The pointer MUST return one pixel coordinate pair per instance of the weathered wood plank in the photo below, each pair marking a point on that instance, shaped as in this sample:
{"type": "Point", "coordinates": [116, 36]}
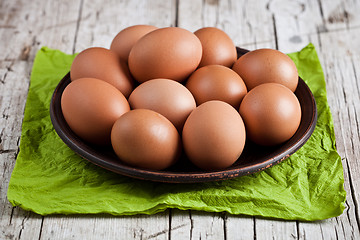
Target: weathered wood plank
{"type": "Point", "coordinates": [14, 222]}
{"type": "Point", "coordinates": [275, 229]}
{"type": "Point", "coordinates": [197, 225]}
{"type": "Point", "coordinates": [240, 227]}
{"type": "Point", "coordinates": [180, 224]}
{"type": "Point", "coordinates": [340, 14]}
{"type": "Point", "coordinates": [106, 227]}
{"type": "Point", "coordinates": [28, 25]}
{"type": "Point", "coordinates": [100, 21]}
{"type": "Point", "coordinates": [249, 24]}
{"type": "Point", "coordinates": [13, 91]}
{"type": "Point", "coordinates": [246, 22]}
{"type": "Point", "coordinates": [294, 22]}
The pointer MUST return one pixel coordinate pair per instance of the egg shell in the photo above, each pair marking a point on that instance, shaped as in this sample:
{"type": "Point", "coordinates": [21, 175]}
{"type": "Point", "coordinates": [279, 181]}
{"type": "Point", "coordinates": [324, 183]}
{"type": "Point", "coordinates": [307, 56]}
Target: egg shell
{"type": "Point", "coordinates": [103, 64]}
{"type": "Point", "coordinates": [214, 135]}
{"type": "Point", "coordinates": [267, 66]}
{"type": "Point", "coordinates": [271, 113]}
{"type": "Point", "coordinates": [167, 97]}
{"type": "Point", "coordinates": [172, 53]}
{"type": "Point", "coordinates": [217, 82]}
{"type": "Point", "coordinates": [218, 48]}
{"type": "Point", "coordinates": [90, 108]}
{"type": "Point", "coordinates": [146, 139]}
{"type": "Point", "coordinates": [126, 39]}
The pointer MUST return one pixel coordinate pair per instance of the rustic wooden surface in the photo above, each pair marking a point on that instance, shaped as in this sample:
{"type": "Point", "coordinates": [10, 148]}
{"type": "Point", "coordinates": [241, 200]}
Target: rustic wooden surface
{"type": "Point", "coordinates": [73, 25]}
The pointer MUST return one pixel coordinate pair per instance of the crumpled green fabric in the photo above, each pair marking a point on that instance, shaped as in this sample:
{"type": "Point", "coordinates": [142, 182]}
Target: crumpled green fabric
{"type": "Point", "coordinates": [49, 178]}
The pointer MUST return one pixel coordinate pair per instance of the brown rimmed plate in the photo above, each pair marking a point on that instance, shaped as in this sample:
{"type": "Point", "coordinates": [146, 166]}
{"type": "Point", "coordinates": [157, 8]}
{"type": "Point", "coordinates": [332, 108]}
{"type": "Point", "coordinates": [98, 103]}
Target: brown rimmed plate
{"type": "Point", "coordinates": [253, 159]}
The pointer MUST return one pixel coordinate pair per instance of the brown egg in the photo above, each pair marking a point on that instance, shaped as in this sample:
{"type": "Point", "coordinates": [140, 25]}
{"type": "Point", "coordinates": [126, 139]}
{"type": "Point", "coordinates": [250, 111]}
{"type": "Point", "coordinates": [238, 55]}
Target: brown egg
{"type": "Point", "coordinates": [267, 66]}
{"type": "Point", "coordinates": [271, 113]}
{"type": "Point", "coordinates": [167, 97]}
{"type": "Point", "coordinates": [214, 135]}
{"type": "Point", "coordinates": [216, 82]}
{"type": "Point", "coordinates": [90, 107]}
{"type": "Point", "coordinates": [102, 64]}
{"type": "Point", "coordinates": [146, 139]}
{"type": "Point", "coordinates": [218, 48]}
{"type": "Point", "coordinates": [126, 38]}
{"type": "Point", "coordinates": [171, 52]}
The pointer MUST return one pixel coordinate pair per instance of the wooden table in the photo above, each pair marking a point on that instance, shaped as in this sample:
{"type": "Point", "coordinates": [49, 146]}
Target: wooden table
{"type": "Point", "coordinates": [73, 25]}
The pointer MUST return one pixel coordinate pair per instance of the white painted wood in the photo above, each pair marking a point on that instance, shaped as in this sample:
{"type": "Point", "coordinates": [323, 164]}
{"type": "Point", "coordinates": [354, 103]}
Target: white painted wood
{"type": "Point", "coordinates": [181, 225]}
{"type": "Point", "coordinates": [207, 225]}
{"type": "Point", "coordinates": [275, 229]}
{"type": "Point", "coordinates": [340, 14]}
{"type": "Point", "coordinates": [13, 91]}
{"type": "Point", "coordinates": [190, 15]}
{"type": "Point", "coordinates": [102, 20]}
{"type": "Point", "coordinates": [26, 26]}
{"type": "Point", "coordinates": [250, 24]}
{"type": "Point", "coordinates": [246, 22]}
{"type": "Point", "coordinates": [240, 227]}
{"type": "Point", "coordinates": [294, 22]}
{"type": "Point", "coordinates": [197, 225]}
{"type": "Point", "coordinates": [15, 223]}
{"type": "Point", "coordinates": [106, 227]}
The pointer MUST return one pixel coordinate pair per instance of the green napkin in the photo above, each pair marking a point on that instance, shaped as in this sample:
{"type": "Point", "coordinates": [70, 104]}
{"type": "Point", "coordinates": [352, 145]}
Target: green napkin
{"type": "Point", "coordinates": [50, 178]}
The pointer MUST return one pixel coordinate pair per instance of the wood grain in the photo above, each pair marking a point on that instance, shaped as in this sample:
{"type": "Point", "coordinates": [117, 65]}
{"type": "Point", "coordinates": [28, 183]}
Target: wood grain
{"type": "Point", "coordinates": [73, 25]}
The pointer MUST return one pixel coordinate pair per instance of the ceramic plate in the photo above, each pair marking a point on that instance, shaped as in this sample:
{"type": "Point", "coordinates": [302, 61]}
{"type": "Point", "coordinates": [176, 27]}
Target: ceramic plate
{"type": "Point", "coordinates": [253, 159]}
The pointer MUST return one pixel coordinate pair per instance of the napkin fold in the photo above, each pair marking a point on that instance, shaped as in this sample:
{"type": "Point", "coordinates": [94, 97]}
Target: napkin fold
{"type": "Point", "coordinates": [49, 178]}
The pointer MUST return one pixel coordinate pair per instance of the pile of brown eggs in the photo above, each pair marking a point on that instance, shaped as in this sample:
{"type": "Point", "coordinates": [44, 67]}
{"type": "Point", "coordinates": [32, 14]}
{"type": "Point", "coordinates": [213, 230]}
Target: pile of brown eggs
{"type": "Point", "coordinates": [160, 91]}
